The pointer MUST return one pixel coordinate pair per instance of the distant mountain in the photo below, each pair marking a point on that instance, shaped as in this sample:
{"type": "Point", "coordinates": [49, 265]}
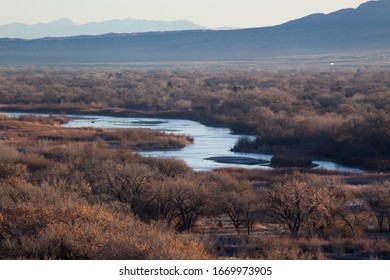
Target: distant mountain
{"type": "Point", "coordinates": [66, 27]}
{"type": "Point", "coordinates": [366, 28]}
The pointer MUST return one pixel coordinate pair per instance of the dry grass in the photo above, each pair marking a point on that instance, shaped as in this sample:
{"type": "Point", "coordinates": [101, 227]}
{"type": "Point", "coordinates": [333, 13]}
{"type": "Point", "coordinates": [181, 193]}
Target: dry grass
{"type": "Point", "coordinates": [29, 130]}
{"type": "Point", "coordinates": [57, 201]}
{"type": "Point", "coordinates": [39, 223]}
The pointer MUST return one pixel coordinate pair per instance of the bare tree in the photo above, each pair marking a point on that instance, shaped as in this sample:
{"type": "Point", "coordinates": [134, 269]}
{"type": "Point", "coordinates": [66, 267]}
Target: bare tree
{"type": "Point", "coordinates": [171, 167]}
{"type": "Point", "coordinates": [188, 202]}
{"type": "Point", "coordinates": [293, 201]}
{"type": "Point", "coordinates": [230, 197]}
{"type": "Point", "coordinates": [233, 206]}
{"type": "Point", "coordinates": [128, 183]}
{"type": "Point", "coordinates": [252, 209]}
{"type": "Point", "coordinates": [377, 198]}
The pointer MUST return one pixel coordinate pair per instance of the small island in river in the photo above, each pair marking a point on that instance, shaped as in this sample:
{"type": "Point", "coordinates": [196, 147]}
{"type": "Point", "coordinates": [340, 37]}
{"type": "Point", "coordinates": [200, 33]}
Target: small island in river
{"type": "Point", "coordinates": [239, 160]}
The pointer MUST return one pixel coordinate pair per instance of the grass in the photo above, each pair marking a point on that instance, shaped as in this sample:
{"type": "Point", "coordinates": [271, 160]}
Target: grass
{"type": "Point", "coordinates": [57, 201]}
{"type": "Point", "coordinates": [28, 130]}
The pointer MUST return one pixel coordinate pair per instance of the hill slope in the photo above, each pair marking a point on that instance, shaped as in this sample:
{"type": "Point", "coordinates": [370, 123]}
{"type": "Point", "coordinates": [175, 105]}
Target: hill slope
{"type": "Point", "coordinates": [66, 27]}
{"type": "Point", "coordinates": [366, 28]}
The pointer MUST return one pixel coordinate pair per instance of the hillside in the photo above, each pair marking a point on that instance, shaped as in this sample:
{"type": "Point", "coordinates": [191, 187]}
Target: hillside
{"type": "Point", "coordinates": [66, 27]}
{"type": "Point", "coordinates": [366, 28]}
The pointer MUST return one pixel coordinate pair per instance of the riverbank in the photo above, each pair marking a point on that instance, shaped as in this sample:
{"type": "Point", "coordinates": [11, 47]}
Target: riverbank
{"type": "Point", "coordinates": [32, 130]}
{"type": "Point", "coordinates": [114, 112]}
{"type": "Point", "coordinates": [331, 115]}
{"type": "Point", "coordinates": [290, 153]}
{"type": "Point", "coordinates": [57, 175]}
{"type": "Point", "coordinates": [243, 144]}
{"type": "Point", "coordinates": [209, 141]}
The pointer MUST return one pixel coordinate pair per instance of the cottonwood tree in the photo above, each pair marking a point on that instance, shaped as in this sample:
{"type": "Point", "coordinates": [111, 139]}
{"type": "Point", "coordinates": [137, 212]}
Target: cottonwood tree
{"type": "Point", "coordinates": [377, 198]}
{"type": "Point", "coordinates": [170, 167]}
{"type": "Point", "coordinates": [242, 208]}
{"type": "Point", "coordinates": [293, 201]}
{"type": "Point", "coordinates": [314, 203]}
{"type": "Point", "coordinates": [233, 207]}
{"type": "Point", "coordinates": [252, 208]}
{"type": "Point", "coordinates": [336, 207]}
{"type": "Point", "coordinates": [127, 183]}
{"type": "Point", "coordinates": [188, 202]}
{"type": "Point", "coordinates": [232, 198]}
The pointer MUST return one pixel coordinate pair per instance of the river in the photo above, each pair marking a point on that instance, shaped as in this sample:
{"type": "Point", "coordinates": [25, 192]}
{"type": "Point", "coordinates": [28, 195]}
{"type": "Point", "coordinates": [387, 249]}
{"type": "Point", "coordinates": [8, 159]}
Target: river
{"type": "Point", "coordinates": [209, 141]}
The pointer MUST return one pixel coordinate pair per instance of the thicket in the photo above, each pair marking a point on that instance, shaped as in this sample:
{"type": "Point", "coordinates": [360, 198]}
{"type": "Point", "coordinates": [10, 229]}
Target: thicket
{"type": "Point", "coordinates": [342, 115]}
{"type": "Point", "coordinates": [80, 194]}
{"type": "Point", "coordinates": [92, 200]}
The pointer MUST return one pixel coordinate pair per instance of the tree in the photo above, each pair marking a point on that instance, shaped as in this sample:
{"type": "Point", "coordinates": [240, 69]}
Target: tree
{"type": "Point", "coordinates": [337, 208]}
{"type": "Point", "coordinates": [233, 198]}
{"type": "Point", "coordinates": [128, 183]}
{"type": "Point", "coordinates": [188, 202]}
{"type": "Point", "coordinates": [171, 167]}
{"type": "Point", "coordinates": [252, 208]}
{"type": "Point", "coordinates": [292, 201]}
{"type": "Point", "coordinates": [377, 198]}
{"type": "Point", "coordinates": [234, 208]}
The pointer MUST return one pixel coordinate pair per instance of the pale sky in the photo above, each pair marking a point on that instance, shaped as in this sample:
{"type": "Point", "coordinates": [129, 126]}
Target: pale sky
{"type": "Point", "coordinates": [208, 13]}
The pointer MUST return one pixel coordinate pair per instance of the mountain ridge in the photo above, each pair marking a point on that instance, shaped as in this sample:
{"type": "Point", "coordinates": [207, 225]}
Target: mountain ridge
{"type": "Point", "coordinates": [65, 28]}
{"type": "Point", "coordinates": [366, 28]}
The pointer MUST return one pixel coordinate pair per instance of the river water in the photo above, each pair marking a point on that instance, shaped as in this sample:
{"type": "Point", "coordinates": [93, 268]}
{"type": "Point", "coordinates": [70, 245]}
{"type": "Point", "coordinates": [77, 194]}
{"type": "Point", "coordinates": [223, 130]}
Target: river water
{"type": "Point", "coordinates": [209, 141]}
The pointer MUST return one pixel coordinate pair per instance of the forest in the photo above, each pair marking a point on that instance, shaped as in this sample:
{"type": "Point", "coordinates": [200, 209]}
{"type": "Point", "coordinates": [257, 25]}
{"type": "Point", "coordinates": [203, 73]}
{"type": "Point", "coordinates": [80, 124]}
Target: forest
{"type": "Point", "coordinates": [82, 193]}
{"type": "Point", "coordinates": [341, 115]}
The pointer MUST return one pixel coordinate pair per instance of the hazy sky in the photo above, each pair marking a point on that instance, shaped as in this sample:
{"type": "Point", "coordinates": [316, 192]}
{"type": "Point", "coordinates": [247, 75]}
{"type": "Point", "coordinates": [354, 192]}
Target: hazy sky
{"type": "Point", "coordinates": [209, 13]}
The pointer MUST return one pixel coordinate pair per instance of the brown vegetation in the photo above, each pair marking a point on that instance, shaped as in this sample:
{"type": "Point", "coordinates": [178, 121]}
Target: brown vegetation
{"type": "Point", "coordinates": [342, 115]}
{"type": "Point", "coordinates": [94, 201]}
{"type": "Point", "coordinates": [87, 201]}
{"type": "Point", "coordinates": [80, 193]}
{"type": "Point", "coordinates": [33, 130]}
